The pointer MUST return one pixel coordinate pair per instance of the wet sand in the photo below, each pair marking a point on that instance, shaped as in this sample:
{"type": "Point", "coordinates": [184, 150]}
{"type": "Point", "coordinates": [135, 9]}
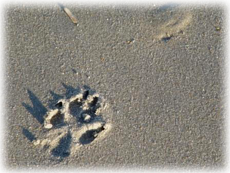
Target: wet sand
{"type": "Point", "coordinates": [160, 68]}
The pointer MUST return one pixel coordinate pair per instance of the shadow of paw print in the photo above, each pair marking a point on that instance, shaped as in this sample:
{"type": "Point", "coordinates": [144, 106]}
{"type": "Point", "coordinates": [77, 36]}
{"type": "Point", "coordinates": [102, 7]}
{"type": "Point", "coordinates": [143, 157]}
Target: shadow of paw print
{"type": "Point", "coordinates": [73, 122]}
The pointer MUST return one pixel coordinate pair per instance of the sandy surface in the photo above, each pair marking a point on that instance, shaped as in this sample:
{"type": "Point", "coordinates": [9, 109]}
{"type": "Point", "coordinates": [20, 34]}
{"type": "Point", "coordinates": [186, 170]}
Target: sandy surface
{"type": "Point", "coordinates": [159, 68]}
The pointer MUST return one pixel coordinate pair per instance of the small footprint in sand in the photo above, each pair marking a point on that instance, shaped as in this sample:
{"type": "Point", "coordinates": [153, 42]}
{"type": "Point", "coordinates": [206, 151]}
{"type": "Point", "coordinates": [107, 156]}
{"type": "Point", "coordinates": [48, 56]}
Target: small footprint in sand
{"type": "Point", "coordinates": [80, 120]}
{"type": "Point", "coordinates": [169, 21]}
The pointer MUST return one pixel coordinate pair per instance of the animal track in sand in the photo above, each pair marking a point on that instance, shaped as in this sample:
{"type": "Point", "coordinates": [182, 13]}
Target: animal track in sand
{"type": "Point", "coordinates": [170, 21]}
{"type": "Point", "coordinates": [80, 120]}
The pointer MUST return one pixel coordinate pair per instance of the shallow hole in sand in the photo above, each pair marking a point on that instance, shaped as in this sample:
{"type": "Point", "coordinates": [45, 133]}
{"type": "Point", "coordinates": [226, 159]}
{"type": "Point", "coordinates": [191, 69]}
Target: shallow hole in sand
{"type": "Point", "coordinates": [90, 135]}
{"type": "Point", "coordinates": [75, 108]}
{"type": "Point", "coordinates": [94, 102]}
{"type": "Point", "coordinates": [85, 94]}
{"type": "Point", "coordinates": [166, 38]}
{"type": "Point", "coordinates": [59, 105]}
{"type": "Point", "coordinates": [57, 120]}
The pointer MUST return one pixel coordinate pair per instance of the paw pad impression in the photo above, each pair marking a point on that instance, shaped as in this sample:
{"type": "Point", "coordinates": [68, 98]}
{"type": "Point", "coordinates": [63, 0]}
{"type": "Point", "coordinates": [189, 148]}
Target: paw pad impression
{"type": "Point", "coordinates": [75, 122]}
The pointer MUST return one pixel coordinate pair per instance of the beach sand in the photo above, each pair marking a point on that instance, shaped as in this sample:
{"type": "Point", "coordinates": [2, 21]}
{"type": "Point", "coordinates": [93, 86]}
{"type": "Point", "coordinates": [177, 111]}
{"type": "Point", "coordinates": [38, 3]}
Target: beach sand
{"type": "Point", "coordinates": [159, 68]}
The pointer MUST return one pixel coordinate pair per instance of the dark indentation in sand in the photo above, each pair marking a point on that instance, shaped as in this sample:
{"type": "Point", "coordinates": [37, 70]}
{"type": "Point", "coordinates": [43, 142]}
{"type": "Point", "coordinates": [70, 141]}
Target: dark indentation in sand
{"type": "Point", "coordinates": [37, 110]}
{"type": "Point", "coordinates": [90, 135]}
{"type": "Point", "coordinates": [94, 105]}
{"type": "Point", "coordinates": [75, 108]}
{"type": "Point", "coordinates": [28, 134]}
{"type": "Point", "coordinates": [85, 94]}
{"type": "Point", "coordinates": [57, 120]}
{"type": "Point", "coordinates": [168, 6]}
{"type": "Point", "coordinates": [94, 102]}
{"type": "Point", "coordinates": [74, 71]}
{"type": "Point", "coordinates": [59, 105]}
{"type": "Point", "coordinates": [63, 149]}
{"type": "Point", "coordinates": [166, 38]}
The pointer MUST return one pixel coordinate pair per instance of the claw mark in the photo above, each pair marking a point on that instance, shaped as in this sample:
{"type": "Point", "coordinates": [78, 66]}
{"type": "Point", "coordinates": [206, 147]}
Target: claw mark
{"type": "Point", "coordinates": [85, 94]}
{"type": "Point", "coordinates": [59, 105]}
{"type": "Point", "coordinates": [94, 101]}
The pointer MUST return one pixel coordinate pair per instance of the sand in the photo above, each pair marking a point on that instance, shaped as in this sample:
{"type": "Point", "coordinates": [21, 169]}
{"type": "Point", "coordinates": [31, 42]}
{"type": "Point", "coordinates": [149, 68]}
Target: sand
{"type": "Point", "coordinates": [160, 68]}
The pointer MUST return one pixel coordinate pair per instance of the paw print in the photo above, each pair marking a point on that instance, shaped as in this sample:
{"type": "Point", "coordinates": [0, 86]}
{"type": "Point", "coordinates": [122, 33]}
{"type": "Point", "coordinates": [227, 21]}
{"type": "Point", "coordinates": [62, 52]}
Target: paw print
{"type": "Point", "coordinates": [79, 120]}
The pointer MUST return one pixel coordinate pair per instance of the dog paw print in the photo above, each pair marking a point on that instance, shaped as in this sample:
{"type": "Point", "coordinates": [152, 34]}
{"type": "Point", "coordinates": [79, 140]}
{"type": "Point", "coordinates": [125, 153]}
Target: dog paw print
{"type": "Point", "coordinates": [73, 123]}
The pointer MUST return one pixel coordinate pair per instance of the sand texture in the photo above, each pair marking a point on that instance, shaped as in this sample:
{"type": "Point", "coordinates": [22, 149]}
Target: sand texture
{"type": "Point", "coordinates": [114, 86]}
